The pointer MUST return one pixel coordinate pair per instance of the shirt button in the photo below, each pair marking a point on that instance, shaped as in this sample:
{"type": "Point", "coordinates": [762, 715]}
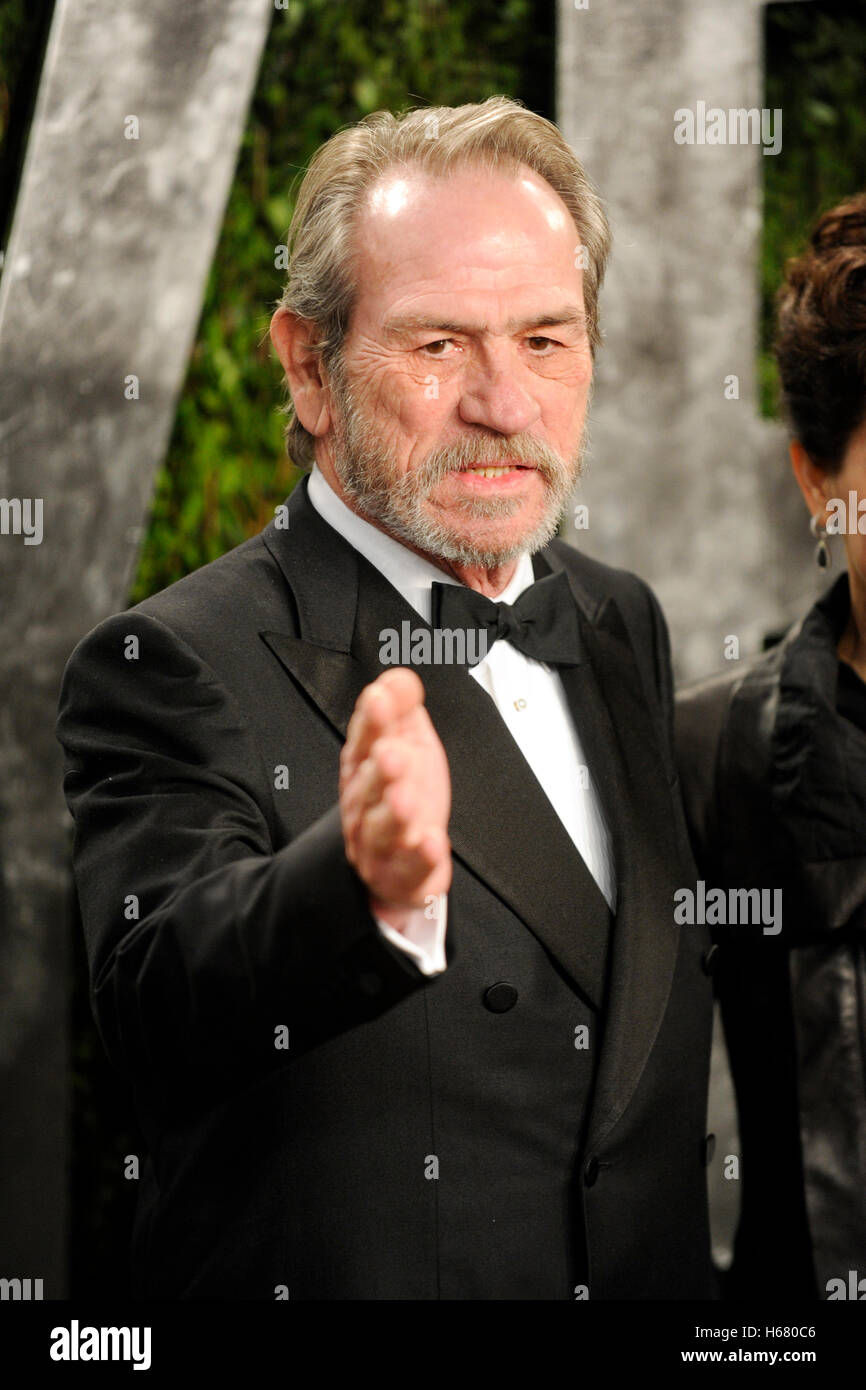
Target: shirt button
{"type": "Point", "coordinates": [500, 998]}
{"type": "Point", "coordinates": [520, 704]}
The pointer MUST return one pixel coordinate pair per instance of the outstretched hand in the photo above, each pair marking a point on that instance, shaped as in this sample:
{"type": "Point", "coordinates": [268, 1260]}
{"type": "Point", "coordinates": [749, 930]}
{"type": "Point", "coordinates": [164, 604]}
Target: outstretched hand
{"type": "Point", "coordinates": [395, 796]}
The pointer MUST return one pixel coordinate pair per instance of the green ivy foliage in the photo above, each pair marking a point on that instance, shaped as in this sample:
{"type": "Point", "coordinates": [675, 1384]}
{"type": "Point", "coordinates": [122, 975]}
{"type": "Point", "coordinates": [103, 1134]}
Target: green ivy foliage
{"type": "Point", "coordinates": [816, 75]}
{"type": "Point", "coordinates": [23, 30]}
{"type": "Point", "coordinates": [18, 25]}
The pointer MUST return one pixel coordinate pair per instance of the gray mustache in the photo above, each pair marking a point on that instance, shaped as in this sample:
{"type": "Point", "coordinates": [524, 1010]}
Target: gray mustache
{"type": "Point", "coordinates": [488, 453]}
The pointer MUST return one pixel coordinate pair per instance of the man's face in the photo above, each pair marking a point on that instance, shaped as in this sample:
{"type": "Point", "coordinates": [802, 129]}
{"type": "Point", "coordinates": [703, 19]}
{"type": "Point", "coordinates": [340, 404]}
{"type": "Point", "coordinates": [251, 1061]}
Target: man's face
{"type": "Point", "coordinates": [466, 373]}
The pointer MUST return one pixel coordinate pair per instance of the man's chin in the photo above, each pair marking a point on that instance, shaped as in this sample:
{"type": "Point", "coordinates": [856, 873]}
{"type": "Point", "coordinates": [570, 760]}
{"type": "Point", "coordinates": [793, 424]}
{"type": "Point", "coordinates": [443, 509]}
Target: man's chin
{"type": "Point", "coordinates": [487, 546]}
{"type": "Point", "coordinates": [472, 531]}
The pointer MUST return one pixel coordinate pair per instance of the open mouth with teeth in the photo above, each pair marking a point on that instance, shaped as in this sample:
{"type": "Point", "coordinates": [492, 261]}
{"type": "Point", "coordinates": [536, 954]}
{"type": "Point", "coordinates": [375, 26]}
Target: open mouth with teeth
{"type": "Point", "coordinates": [494, 470]}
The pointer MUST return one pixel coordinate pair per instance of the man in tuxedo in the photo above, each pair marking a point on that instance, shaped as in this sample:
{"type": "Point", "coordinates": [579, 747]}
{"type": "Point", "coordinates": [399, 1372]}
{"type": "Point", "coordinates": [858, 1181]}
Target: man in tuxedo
{"type": "Point", "coordinates": [388, 953]}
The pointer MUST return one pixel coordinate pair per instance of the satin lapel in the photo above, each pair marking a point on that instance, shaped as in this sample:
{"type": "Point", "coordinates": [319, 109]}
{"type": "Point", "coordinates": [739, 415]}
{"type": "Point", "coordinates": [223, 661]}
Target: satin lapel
{"type": "Point", "coordinates": [503, 827]}
{"type": "Point", "coordinates": [322, 572]}
{"type": "Point", "coordinates": [620, 742]}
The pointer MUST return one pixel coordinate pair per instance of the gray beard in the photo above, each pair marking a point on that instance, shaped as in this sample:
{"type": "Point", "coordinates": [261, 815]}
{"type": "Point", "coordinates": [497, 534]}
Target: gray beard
{"type": "Point", "coordinates": [397, 501]}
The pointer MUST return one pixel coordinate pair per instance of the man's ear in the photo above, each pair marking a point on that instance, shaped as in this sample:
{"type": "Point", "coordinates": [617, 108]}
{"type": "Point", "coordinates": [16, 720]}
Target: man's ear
{"type": "Point", "coordinates": [293, 339]}
{"type": "Point", "coordinates": [814, 482]}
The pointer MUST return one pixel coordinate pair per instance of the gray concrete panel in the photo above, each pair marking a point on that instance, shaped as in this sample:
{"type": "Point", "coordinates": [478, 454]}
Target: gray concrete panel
{"type": "Point", "coordinates": [108, 255]}
{"type": "Point", "coordinates": [685, 486]}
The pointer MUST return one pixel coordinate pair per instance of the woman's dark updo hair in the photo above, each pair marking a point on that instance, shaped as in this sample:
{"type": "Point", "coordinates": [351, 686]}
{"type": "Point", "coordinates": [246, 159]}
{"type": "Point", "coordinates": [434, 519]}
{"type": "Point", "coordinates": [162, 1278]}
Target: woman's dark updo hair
{"type": "Point", "coordinates": [821, 335]}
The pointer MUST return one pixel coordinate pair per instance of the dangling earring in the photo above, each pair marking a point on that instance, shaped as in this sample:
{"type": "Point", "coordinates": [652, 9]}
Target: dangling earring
{"type": "Point", "coordinates": [822, 550]}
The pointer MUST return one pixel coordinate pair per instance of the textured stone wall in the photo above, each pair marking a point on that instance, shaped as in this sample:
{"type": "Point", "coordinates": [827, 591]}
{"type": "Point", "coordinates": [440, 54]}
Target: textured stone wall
{"type": "Point", "coordinates": [109, 250]}
{"type": "Point", "coordinates": [686, 487]}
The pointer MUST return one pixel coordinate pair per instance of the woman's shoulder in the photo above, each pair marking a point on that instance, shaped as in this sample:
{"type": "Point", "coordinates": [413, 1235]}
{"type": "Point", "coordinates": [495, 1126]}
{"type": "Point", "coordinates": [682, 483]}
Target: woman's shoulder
{"type": "Point", "coordinates": [746, 692]}
{"type": "Point", "coordinates": [724, 731]}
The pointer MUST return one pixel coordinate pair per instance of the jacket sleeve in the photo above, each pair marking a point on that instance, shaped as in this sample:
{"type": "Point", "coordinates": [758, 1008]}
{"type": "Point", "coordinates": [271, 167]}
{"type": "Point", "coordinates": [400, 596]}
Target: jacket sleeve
{"type": "Point", "coordinates": [701, 715]}
{"type": "Point", "coordinates": [648, 634]}
{"type": "Point", "coordinates": [664, 678]}
{"type": "Point", "coordinates": [204, 939]}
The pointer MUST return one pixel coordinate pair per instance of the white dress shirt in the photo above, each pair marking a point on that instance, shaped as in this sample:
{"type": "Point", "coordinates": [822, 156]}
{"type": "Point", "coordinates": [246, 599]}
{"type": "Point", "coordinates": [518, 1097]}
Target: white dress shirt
{"type": "Point", "coordinates": [528, 695]}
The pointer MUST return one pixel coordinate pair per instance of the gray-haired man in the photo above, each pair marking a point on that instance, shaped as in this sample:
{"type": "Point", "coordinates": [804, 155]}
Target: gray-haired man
{"type": "Point", "coordinates": [405, 1006]}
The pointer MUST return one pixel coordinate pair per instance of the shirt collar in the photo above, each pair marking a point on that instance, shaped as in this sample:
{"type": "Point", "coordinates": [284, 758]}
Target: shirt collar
{"type": "Point", "coordinates": [410, 574]}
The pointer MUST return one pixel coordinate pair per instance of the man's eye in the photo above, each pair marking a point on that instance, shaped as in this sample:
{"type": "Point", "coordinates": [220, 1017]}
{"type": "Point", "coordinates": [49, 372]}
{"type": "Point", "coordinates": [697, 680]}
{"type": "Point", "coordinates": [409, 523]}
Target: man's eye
{"type": "Point", "coordinates": [433, 348]}
{"type": "Point", "coordinates": [540, 344]}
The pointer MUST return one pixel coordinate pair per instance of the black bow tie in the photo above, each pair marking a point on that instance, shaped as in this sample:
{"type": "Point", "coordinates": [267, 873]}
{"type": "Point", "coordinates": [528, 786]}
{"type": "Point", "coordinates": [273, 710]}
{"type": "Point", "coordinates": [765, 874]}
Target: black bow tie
{"type": "Point", "coordinates": [542, 623]}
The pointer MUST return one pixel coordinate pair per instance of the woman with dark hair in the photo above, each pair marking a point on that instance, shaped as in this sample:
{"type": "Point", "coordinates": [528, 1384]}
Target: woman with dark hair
{"type": "Point", "coordinates": [773, 766]}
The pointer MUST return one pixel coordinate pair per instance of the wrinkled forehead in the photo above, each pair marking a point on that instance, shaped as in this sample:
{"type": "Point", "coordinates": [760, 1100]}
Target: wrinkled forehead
{"type": "Point", "coordinates": [466, 228]}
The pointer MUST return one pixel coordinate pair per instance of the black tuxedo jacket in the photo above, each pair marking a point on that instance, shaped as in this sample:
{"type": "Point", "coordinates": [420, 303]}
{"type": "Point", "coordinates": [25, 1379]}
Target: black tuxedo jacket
{"type": "Point", "coordinates": [322, 1120]}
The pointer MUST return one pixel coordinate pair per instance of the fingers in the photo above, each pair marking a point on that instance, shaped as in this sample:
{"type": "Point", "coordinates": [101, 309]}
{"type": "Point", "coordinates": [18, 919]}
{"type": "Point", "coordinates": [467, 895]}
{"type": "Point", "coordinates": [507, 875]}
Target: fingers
{"type": "Point", "coordinates": [381, 705]}
{"type": "Point", "coordinates": [408, 877]}
{"type": "Point", "coordinates": [366, 788]}
{"type": "Point", "coordinates": [391, 825]}
{"type": "Point", "coordinates": [395, 793]}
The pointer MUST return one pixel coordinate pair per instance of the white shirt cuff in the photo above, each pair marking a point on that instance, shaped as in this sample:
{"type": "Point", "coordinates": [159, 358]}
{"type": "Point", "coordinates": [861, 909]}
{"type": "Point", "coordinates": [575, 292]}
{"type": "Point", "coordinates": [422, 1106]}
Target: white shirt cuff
{"type": "Point", "coordinates": [423, 937]}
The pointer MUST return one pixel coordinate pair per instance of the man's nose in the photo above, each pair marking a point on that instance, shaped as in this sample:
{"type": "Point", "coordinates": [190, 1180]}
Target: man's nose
{"type": "Point", "coordinates": [495, 395]}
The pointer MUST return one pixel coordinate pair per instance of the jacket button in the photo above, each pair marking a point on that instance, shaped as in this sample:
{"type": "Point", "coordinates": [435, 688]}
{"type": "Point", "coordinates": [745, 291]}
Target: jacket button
{"type": "Point", "coordinates": [590, 1172]}
{"type": "Point", "coordinates": [709, 960]}
{"type": "Point", "coordinates": [500, 998]}
{"type": "Point", "coordinates": [708, 1148]}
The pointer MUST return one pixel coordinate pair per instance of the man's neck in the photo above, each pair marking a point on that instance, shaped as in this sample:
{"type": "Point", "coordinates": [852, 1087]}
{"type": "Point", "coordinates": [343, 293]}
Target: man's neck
{"type": "Point", "coordinates": [490, 582]}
